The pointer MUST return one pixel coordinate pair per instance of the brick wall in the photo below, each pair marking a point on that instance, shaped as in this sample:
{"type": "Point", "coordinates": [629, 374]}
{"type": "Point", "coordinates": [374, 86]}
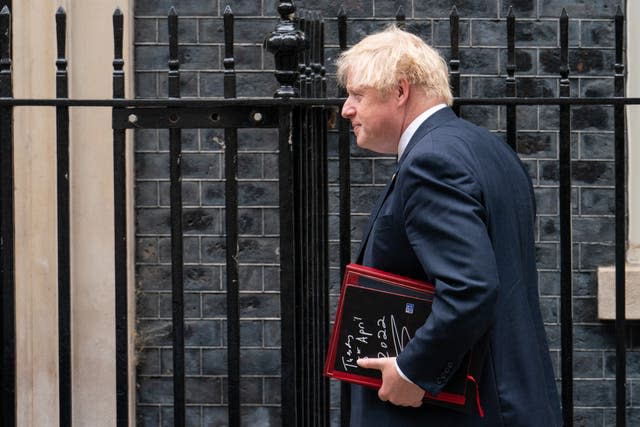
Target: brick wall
{"type": "Point", "coordinates": [483, 56]}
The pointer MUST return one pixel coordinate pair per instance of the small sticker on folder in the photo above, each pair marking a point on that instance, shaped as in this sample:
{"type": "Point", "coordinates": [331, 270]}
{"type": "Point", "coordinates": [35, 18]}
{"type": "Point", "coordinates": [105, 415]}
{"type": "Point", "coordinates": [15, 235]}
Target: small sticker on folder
{"type": "Point", "coordinates": [408, 308]}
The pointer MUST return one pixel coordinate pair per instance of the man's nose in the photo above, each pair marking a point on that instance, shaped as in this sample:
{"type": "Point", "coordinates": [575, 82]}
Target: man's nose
{"type": "Point", "coordinates": [347, 109]}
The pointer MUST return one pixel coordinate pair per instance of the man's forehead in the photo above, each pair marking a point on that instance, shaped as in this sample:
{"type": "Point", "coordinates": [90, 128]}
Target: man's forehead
{"type": "Point", "coordinates": [353, 83]}
{"type": "Point", "coordinates": [357, 86]}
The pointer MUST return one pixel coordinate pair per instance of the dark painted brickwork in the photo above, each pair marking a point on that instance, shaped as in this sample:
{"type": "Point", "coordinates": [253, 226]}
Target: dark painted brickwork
{"type": "Point", "coordinates": [483, 55]}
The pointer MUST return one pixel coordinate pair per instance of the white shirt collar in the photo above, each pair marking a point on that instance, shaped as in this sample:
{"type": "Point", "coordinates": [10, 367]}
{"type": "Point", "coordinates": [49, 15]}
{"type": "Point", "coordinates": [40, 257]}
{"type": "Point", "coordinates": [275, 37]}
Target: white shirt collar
{"type": "Point", "coordinates": [413, 127]}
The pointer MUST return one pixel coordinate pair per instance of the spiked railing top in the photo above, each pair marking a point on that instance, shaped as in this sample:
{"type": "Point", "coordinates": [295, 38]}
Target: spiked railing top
{"type": "Point", "coordinates": [401, 17]}
{"type": "Point", "coordinates": [61, 33]}
{"type": "Point", "coordinates": [511, 48]}
{"type": "Point", "coordinates": [5, 40]}
{"type": "Point", "coordinates": [229, 61]}
{"type": "Point", "coordinates": [454, 31]}
{"type": "Point", "coordinates": [454, 20]}
{"type": "Point", "coordinates": [174, 64]}
{"type": "Point", "coordinates": [342, 28]}
{"type": "Point", "coordinates": [619, 34]}
{"type": "Point", "coordinates": [564, 46]}
{"type": "Point", "coordinates": [118, 37]}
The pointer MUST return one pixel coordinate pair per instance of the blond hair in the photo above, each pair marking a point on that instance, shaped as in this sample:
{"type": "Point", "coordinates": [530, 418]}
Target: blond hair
{"type": "Point", "coordinates": [380, 59]}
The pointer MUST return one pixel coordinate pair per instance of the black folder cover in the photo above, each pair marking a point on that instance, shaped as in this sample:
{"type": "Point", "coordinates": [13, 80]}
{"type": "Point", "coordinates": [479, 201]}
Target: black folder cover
{"type": "Point", "coordinates": [378, 313]}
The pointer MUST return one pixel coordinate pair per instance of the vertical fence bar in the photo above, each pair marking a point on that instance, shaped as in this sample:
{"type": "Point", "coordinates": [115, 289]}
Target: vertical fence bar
{"type": "Point", "coordinates": [120, 233]}
{"type": "Point", "coordinates": [287, 272]}
{"type": "Point", "coordinates": [454, 61]}
{"type": "Point", "coordinates": [511, 80]}
{"type": "Point", "coordinates": [177, 289]}
{"type": "Point", "coordinates": [316, 216]}
{"type": "Point", "coordinates": [310, 143]}
{"type": "Point", "coordinates": [301, 170]}
{"type": "Point", "coordinates": [344, 160]}
{"type": "Point", "coordinates": [64, 250]}
{"type": "Point", "coordinates": [7, 265]}
{"type": "Point", "coordinates": [305, 145]}
{"type": "Point", "coordinates": [620, 227]}
{"type": "Point", "coordinates": [320, 123]}
{"type": "Point", "coordinates": [309, 260]}
{"type": "Point", "coordinates": [324, 206]}
{"type": "Point", "coordinates": [301, 173]}
{"type": "Point", "coordinates": [344, 166]}
{"type": "Point", "coordinates": [299, 219]}
{"type": "Point", "coordinates": [566, 283]}
{"type": "Point", "coordinates": [231, 221]}
{"type": "Point", "coordinates": [302, 145]}
{"type": "Point", "coordinates": [286, 42]}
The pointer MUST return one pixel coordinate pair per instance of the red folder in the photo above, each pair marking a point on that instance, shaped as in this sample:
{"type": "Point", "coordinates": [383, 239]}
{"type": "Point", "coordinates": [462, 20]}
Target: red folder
{"type": "Point", "coordinates": [378, 313]}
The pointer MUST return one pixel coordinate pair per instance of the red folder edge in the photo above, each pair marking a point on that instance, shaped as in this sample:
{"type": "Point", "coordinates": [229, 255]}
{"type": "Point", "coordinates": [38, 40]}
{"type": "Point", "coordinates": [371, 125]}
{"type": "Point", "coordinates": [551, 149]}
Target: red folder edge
{"type": "Point", "coordinates": [350, 279]}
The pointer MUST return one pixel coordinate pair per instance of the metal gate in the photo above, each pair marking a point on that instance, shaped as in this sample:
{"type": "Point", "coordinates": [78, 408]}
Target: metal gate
{"type": "Point", "coordinates": [300, 112]}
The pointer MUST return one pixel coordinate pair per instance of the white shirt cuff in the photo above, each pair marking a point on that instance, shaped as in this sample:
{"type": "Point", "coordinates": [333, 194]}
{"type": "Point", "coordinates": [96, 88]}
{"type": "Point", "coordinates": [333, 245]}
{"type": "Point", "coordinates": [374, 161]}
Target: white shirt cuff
{"type": "Point", "coordinates": [402, 373]}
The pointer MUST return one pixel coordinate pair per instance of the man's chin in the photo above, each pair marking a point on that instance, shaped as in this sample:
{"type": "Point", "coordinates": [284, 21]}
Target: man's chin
{"type": "Point", "coordinates": [362, 143]}
{"type": "Point", "coordinates": [366, 146]}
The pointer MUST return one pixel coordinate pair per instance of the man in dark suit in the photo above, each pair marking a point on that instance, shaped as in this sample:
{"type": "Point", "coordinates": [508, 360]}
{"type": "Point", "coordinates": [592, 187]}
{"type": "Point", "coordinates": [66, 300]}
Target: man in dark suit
{"type": "Point", "coordinates": [459, 212]}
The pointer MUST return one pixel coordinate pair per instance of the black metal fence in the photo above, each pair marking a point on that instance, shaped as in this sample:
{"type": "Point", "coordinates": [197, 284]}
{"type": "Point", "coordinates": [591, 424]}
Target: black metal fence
{"type": "Point", "coordinates": [300, 111]}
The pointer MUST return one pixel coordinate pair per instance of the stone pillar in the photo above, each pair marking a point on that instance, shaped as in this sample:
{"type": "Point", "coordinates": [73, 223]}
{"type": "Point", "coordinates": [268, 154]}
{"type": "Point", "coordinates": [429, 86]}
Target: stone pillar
{"type": "Point", "coordinates": [90, 55]}
{"type": "Point", "coordinates": [606, 274]}
{"type": "Point", "coordinates": [35, 197]}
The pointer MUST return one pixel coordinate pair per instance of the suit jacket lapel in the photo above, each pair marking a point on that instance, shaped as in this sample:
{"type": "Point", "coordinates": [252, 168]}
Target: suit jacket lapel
{"type": "Point", "coordinates": [374, 215]}
{"type": "Point", "coordinates": [438, 118]}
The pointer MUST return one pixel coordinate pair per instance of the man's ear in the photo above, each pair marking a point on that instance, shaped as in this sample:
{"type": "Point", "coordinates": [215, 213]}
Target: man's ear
{"type": "Point", "coordinates": [402, 91]}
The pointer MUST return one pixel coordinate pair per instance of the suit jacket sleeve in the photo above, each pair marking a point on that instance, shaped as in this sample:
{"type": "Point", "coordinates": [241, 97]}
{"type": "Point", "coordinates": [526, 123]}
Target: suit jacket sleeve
{"type": "Point", "coordinates": [446, 224]}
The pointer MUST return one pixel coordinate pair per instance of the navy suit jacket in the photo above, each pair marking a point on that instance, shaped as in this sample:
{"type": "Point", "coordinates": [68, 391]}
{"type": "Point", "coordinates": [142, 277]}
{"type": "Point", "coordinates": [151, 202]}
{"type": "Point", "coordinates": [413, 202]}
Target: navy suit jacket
{"type": "Point", "coordinates": [460, 212]}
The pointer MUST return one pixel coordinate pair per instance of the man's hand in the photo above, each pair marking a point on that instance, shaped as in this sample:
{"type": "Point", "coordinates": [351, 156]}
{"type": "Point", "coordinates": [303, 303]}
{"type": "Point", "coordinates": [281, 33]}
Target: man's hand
{"type": "Point", "coordinates": [395, 389]}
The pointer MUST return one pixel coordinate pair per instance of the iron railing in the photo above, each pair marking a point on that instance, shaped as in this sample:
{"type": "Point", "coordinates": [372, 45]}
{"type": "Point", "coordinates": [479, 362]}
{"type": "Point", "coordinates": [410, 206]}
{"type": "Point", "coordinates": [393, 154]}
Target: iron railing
{"type": "Point", "coordinates": [301, 122]}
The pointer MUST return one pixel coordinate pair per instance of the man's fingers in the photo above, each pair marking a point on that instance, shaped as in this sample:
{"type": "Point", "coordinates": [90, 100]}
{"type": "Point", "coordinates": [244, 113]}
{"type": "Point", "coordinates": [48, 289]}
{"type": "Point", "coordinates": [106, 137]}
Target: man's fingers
{"type": "Point", "coordinates": [394, 389]}
{"type": "Point", "coordinates": [371, 363]}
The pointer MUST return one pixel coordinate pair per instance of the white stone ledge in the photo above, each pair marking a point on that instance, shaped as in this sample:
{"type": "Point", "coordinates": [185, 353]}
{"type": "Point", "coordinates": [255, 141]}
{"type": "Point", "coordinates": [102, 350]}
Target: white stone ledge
{"type": "Point", "coordinates": [607, 292]}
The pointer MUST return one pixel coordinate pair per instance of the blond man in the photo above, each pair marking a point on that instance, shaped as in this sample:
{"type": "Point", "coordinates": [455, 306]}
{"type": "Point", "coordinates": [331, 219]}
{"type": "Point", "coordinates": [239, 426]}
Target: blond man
{"type": "Point", "coordinates": [459, 212]}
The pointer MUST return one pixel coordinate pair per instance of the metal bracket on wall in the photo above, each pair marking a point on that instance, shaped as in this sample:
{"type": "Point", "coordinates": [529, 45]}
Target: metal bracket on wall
{"type": "Point", "coordinates": [195, 118]}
